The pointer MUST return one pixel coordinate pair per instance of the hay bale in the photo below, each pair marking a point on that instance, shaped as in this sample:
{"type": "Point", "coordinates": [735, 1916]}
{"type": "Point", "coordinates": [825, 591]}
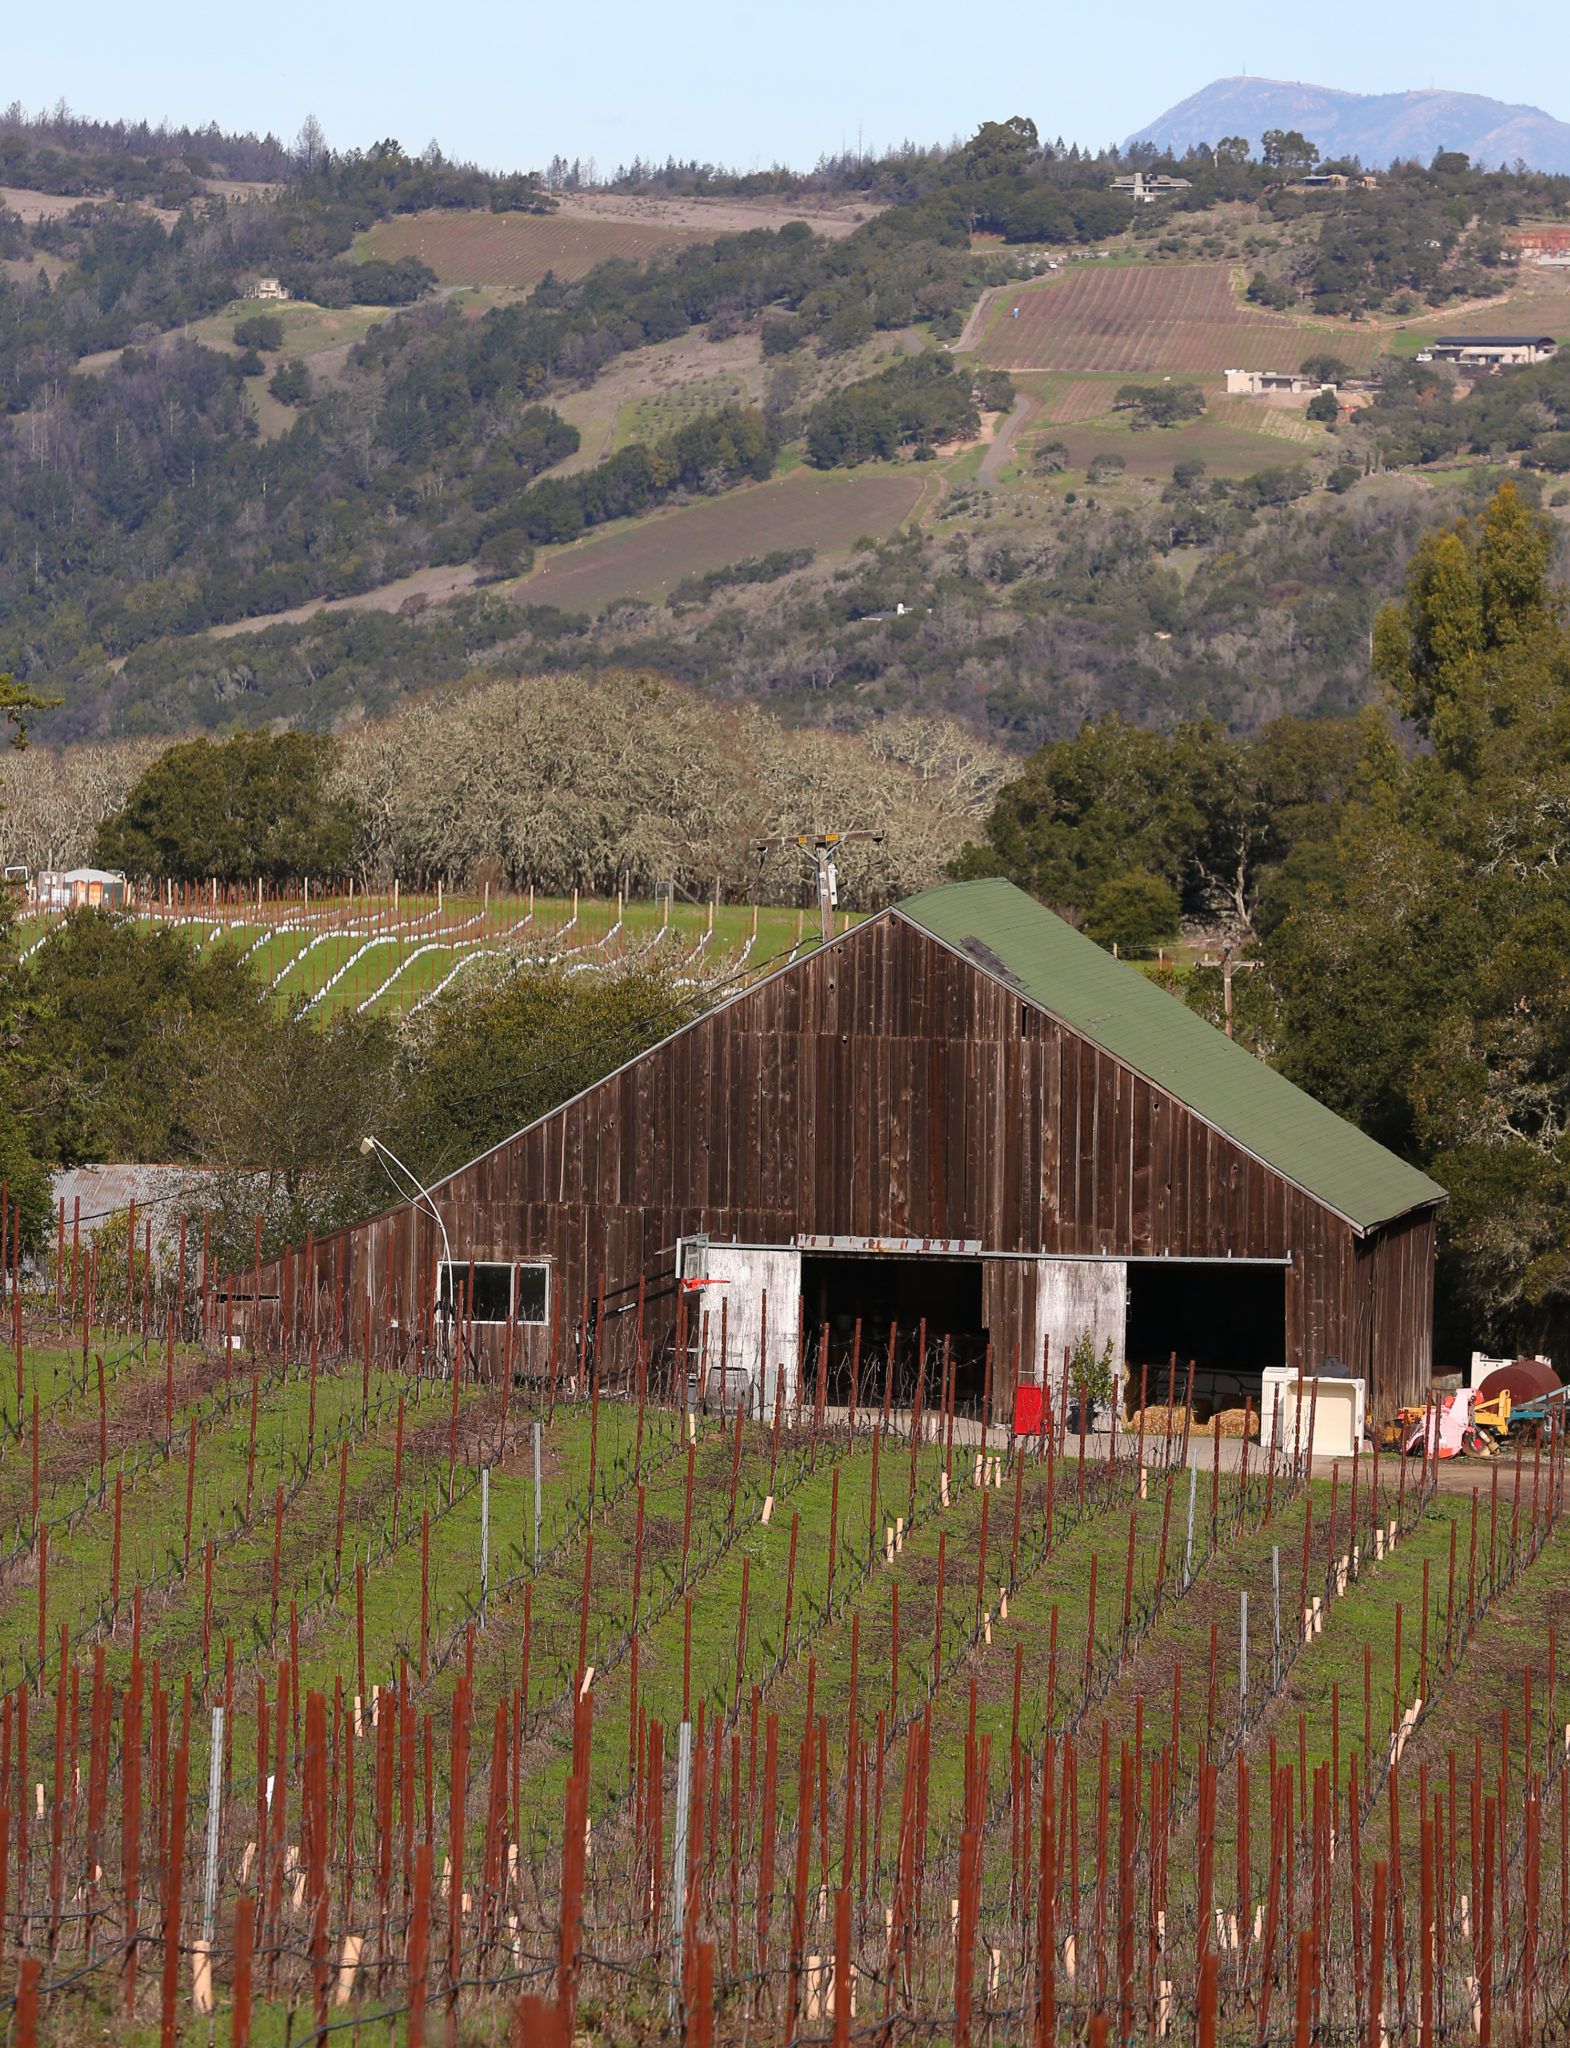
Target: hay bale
{"type": "Point", "coordinates": [1239, 1422]}
{"type": "Point", "coordinates": [1156, 1421]}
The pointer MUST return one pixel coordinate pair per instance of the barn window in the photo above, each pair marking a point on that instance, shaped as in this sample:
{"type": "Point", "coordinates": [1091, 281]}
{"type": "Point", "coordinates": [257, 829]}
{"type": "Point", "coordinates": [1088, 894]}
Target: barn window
{"type": "Point", "coordinates": [500, 1289]}
{"type": "Point", "coordinates": [531, 1291]}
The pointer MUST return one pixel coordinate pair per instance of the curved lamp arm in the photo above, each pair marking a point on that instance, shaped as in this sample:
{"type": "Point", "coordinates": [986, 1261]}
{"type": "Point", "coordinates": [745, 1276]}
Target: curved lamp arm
{"type": "Point", "coordinates": [370, 1145]}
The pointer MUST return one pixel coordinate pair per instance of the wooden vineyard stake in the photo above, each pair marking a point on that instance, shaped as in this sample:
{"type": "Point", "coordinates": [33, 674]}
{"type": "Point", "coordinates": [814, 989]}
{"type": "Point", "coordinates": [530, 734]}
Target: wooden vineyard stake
{"type": "Point", "coordinates": [97, 1786]}
{"type": "Point", "coordinates": [250, 1461]}
{"type": "Point", "coordinates": [207, 1612]}
{"type": "Point", "coordinates": [834, 1535]}
{"type": "Point", "coordinates": [1046, 1886]}
{"type": "Point", "coordinates": [397, 1470]}
{"type": "Point", "coordinates": [314, 1848]}
{"type": "Point", "coordinates": [5, 1803]}
{"type": "Point", "coordinates": [1019, 1491]}
{"type": "Point", "coordinates": [425, 1595]}
{"type": "Point", "coordinates": [174, 1867]}
{"type": "Point", "coordinates": [855, 1374]}
{"type": "Point", "coordinates": [1128, 1588]}
{"type": "Point", "coordinates": [686, 1528]}
{"type": "Point", "coordinates": [798, 1917]}
{"type": "Point", "coordinates": [57, 1809]}
{"type": "Point", "coordinates": [190, 1493]}
{"type": "Point", "coordinates": [642, 1369]}
{"type": "Point", "coordinates": [244, 1945]}
{"type": "Point", "coordinates": [915, 1420]}
{"type": "Point", "coordinates": [981, 1565]}
{"type": "Point", "coordinates": [937, 1619]}
{"type": "Point", "coordinates": [419, 1947]}
{"type": "Point", "coordinates": [310, 1420]}
{"type": "Point", "coordinates": [583, 1611]}
{"type": "Point", "coordinates": [131, 1823]}
{"type": "Point", "coordinates": [873, 1496]}
{"type": "Point", "coordinates": [359, 1625]}
{"type": "Point", "coordinates": [523, 1682]}
{"type": "Point", "coordinates": [28, 1972]}
{"type": "Point", "coordinates": [594, 1399]}
{"type": "Point", "coordinates": [115, 1561]}
{"type": "Point", "coordinates": [278, 1826]}
{"type": "Point", "coordinates": [343, 1487]}
{"type": "Point", "coordinates": [452, 1439]}
{"type": "Point", "coordinates": [741, 1633]}
{"type": "Point", "coordinates": [735, 1466]}
{"type": "Point", "coordinates": [790, 1584]}
{"type": "Point", "coordinates": [277, 1558]}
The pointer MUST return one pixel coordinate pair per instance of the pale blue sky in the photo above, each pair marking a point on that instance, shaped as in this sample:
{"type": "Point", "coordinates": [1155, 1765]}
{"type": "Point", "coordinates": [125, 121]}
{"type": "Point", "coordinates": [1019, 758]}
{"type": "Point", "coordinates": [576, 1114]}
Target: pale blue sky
{"type": "Point", "coordinates": [747, 85]}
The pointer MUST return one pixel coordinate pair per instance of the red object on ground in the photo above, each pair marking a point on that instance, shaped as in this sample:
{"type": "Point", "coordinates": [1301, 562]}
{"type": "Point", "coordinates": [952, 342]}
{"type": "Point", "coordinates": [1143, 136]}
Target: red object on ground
{"type": "Point", "coordinates": [1027, 1411]}
{"type": "Point", "coordinates": [1524, 1379]}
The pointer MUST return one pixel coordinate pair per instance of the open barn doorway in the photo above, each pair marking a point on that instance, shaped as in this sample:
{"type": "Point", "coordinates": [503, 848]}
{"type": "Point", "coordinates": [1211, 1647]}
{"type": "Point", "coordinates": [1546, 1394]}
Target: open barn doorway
{"type": "Point", "coordinates": [1227, 1316]}
{"type": "Point", "coordinates": [893, 1295]}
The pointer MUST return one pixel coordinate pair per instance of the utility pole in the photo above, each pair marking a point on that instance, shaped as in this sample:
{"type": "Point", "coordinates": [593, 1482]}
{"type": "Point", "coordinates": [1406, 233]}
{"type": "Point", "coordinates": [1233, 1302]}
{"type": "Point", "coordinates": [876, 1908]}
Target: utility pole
{"type": "Point", "coordinates": [821, 846]}
{"type": "Point", "coordinates": [1228, 967]}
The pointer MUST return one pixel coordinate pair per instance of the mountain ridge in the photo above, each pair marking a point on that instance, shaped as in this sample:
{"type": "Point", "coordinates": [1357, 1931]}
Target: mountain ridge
{"type": "Point", "coordinates": [1377, 128]}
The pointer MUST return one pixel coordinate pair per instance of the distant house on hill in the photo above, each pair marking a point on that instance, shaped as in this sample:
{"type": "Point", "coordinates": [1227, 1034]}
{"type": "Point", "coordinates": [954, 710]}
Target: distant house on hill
{"type": "Point", "coordinates": [1263, 383]}
{"type": "Point", "coordinates": [1144, 191]}
{"type": "Point", "coordinates": [1549, 245]}
{"type": "Point", "coordinates": [80, 888]}
{"type": "Point", "coordinates": [265, 288]}
{"type": "Point", "coordinates": [1333, 181]}
{"type": "Point", "coordinates": [1489, 351]}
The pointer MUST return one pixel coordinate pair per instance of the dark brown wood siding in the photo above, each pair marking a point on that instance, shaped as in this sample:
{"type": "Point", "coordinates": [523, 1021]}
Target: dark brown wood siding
{"type": "Point", "coordinates": [887, 1086]}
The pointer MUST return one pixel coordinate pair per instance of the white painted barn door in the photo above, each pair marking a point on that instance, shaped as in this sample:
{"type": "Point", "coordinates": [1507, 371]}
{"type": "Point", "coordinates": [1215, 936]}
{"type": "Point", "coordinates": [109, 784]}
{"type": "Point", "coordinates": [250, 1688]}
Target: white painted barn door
{"type": "Point", "coordinates": [750, 1273]}
{"type": "Point", "coordinates": [1072, 1296]}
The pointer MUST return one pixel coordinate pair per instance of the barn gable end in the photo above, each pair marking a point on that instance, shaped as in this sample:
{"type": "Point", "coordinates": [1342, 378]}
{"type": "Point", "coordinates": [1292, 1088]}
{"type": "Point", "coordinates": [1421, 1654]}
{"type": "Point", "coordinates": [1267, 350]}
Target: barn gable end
{"type": "Point", "coordinates": [1009, 1102]}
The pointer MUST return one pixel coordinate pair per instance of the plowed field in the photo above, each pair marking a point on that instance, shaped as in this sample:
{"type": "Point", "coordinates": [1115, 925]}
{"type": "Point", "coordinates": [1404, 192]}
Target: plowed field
{"type": "Point", "coordinates": [648, 557]}
{"type": "Point", "coordinates": [1084, 399]}
{"type": "Point", "coordinates": [517, 248]}
{"type": "Point", "coordinates": [1181, 317]}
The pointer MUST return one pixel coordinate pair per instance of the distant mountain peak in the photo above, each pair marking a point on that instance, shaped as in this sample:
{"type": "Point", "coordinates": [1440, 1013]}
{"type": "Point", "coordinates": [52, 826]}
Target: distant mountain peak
{"type": "Point", "coordinates": [1377, 128]}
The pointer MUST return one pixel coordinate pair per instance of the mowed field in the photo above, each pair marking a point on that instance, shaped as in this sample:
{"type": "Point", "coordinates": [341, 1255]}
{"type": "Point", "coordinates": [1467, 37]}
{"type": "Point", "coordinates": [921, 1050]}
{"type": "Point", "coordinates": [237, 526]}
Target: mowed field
{"type": "Point", "coordinates": [646, 559]}
{"type": "Point", "coordinates": [517, 249]}
{"type": "Point", "coordinates": [1538, 303]}
{"type": "Point", "coordinates": [1233, 446]}
{"type": "Point", "coordinates": [1143, 318]}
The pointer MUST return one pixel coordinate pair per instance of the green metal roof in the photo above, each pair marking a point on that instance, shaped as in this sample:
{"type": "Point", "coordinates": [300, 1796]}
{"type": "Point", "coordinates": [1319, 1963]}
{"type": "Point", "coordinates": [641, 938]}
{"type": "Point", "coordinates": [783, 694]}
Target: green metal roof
{"type": "Point", "coordinates": [1020, 943]}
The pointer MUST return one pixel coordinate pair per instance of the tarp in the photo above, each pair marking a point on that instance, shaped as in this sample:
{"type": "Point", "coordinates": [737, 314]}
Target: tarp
{"type": "Point", "coordinates": [1027, 1410]}
{"type": "Point", "coordinates": [1452, 1415]}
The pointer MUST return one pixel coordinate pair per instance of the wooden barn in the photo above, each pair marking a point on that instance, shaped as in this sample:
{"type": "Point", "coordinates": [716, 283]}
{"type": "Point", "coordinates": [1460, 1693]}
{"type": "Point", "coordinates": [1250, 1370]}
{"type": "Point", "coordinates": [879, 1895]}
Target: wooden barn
{"type": "Point", "coordinates": [961, 1115]}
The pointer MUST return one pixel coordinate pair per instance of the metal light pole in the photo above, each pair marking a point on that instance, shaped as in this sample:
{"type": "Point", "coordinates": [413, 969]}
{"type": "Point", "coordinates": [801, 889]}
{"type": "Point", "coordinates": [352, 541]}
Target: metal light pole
{"type": "Point", "coordinates": [369, 1145]}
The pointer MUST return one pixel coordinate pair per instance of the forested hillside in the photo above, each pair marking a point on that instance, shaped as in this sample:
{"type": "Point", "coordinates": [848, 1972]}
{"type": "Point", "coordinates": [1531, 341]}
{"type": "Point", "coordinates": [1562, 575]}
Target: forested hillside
{"type": "Point", "coordinates": [144, 499]}
{"type": "Point", "coordinates": [1400, 897]}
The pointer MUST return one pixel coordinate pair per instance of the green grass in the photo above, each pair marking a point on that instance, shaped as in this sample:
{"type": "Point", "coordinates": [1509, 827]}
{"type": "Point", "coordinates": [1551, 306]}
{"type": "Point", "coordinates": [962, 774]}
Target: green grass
{"type": "Point", "coordinates": [390, 962]}
{"type": "Point", "coordinates": [825, 1490]}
